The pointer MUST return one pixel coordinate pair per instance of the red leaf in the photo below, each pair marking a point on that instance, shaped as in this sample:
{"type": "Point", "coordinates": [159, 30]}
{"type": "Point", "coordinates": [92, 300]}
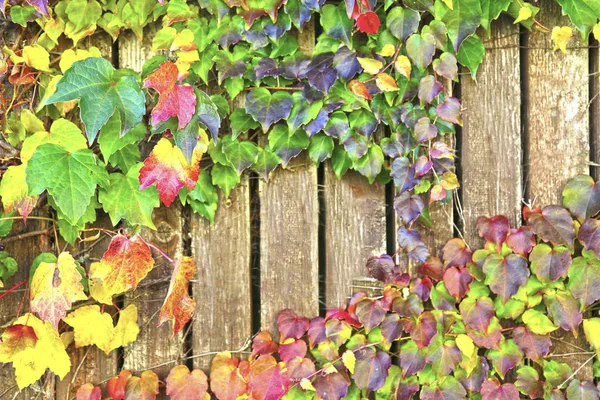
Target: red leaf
{"type": "Point", "coordinates": [492, 390]}
{"type": "Point", "coordinates": [359, 89]}
{"type": "Point", "coordinates": [178, 305]}
{"type": "Point", "coordinates": [494, 230]}
{"type": "Point", "coordinates": [175, 100]}
{"type": "Point", "coordinates": [263, 344]}
{"type": "Point", "coordinates": [457, 281]}
{"type": "Point", "coordinates": [295, 349]}
{"type": "Point", "coordinates": [268, 380]}
{"type": "Point", "coordinates": [299, 368]}
{"type": "Point", "coordinates": [88, 392]}
{"type": "Point", "coordinates": [167, 166]}
{"type": "Point", "coordinates": [116, 385]}
{"type": "Point", "coordinates": [291, 325]}
{"type": "Point", "coordinates": [368, 22]}
{"type": "Point", "coordinates": [370, 313]}
{"type": "Point", "coordinates": [185, 385]}
{"type": "Point", "coordinates": [456, 253]}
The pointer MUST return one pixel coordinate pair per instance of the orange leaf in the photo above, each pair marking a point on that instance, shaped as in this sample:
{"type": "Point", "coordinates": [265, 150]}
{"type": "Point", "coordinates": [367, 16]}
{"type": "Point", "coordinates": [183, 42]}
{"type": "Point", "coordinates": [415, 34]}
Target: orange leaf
{"type": "Point", "coordinates": [178, 305]}
{"type": "Point", "coordinates": [359, 89]}
{"type": "Point", "coordinates": [226, 380]}
{"type": "Point", "coordinates": [88, 392]}
{"type": "Point", "coordinates": [168, 167]}
{"type": "Point", "coordinates": [54, 288]}
{"type": "Point", "coordinates": [386, 83]}
{"type": "Point", "coordinates": [123, 266]}
{"type": "Point", "coordinates": [142, 388]}
{"type": "Point", "coordinates": [175, 100]}
{"type": "Point", "coordinates": [116, 385]}
{"type": "Point", "coordinates": [17, 338]}
{"type": "Point", "coordinates": [185, 385]}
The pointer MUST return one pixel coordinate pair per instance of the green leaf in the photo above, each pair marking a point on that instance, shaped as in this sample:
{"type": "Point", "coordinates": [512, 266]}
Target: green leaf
{"type": "Point", "coordinates": [320, 148]}
{"type": "Point", "coordinates": [126, 158]}
{"type": "Point", "coordinates": [70, 177]}
{"type": "Point", "coordinates": [287, 145]}
{"type": "Point", "coordinates": [583, 13]}
{"type": "Point", "coordinates": [69, 230]}
{"type": "Point", "coordinates": [111, 140]}
{"type": "Point", "coordinates": [471, 54]}
{"type": "Point", "coordinates": [556, 372]}
{"type": "Point", "coordinates": [225, 177]}
{"type": "Point", "coordinates": [102, 92]}
{"type": "Point", "coordinates": [241, 154]}
{"type": "Point", "coordinates": [6, 224]}
{"type": "Point", "coordinates": [266, 162]}
{"type": "Point", "coordinates": [538, 322]}
{"type": "Point", "coordinates": [62, 132]}
{"type": "Point", "coordinates": [122, 199]}
{"type": "Point", "coordinates": [461, 21]}
{"type": "Point", "coordinates": [370, 164]}
{"type": "Point", "coordinates": [241, 122]}
{"type": "Point", "coordinates": [490, 11]}
{"type": "Point", "coordinates": [340, 161]}
{"type": "Point", "coordinates": [336, 23]}
{"type": "Point", "coordinates": [8, 267]}
{"type": "Point", "coordinates": [204, 198]}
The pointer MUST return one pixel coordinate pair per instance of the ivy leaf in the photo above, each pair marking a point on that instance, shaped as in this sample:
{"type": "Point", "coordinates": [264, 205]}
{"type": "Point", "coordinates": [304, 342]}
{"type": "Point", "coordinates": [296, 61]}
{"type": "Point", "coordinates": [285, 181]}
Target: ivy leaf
{"type": "Point", "coordinates": [93, 327]}
{"type": "Point", "coordinates": [93, 81]}
{"type": "Point", "coordinates": [528, 382]}
{"type": "Point", "coordinates": [266, 162]}
{"type": "Point", "coordinates": [424, 329]}
{"type": "Point", "coordinates": [175, 100]}
{"type": "Point", "coordinates": [457, 281]}
{"type": "Point", "coordinates": [591, 328]}
{"type": "Point", "coordinates": [144, 387]}
{"type": "Point", "coordinates": [124, 264]}
{"type": "Point", "coordinates": [70, 177]}
{"type": "Point", "coordinates": [492, 390]}
{"type": "Point", "coordinates": [368, 22]}
{"type": "Point", "coordinates": [122, 199]}
{"type": "Point", "coordinates": [371, 369]}
{"type": "Point", "coordinates": [62, 132]}
{"type": "Point", "coordinates": [286, 144]}
{"type": "Point", "coordinates": [461, 20]}
{"type": "Point", "coordinates": [550, 264]}
{"type": "Point", "coordinates": [15, 192]}
{"type": "Point", "coordinates": [167, 167]}
{"type": "Point", "coordinates": [537, 322]}
{"type": "Point", "coordinates": [447, 388]}
{"type": "Point", "coordinates": [241, 122]}
{"type": "Point", "coordinates": [456, 253]}
{"type": "Point", "coordinates": [556, 372]}
{"type": "Point", "coordinates": [583, 13]}
{"type": "Point", "coordinates": [183, 384]}
{"type": "Point", "coordinates": [420, 49]}
{"type": "Point", "coordinates": [111, 140]}
{"type": "Point", "coordinates": [54, 288]}
{"type": "Point", "coordinates": [402, 22]}
{"type": "Point", "coordinates": [589, 235]}
{"type": "Point", "coordinates": [290, 325]}
{"type": "Point", "coordinates": [33, 352]}
{"type": "Point", "coordinates": [552, 224]}
{"type": "Point", "coordinates": [268, 379]}
{"type": "Point", "coordinates": [116, 385]}
{"type": "Point", "coordinates": [226, 382]}
{"type": "Point", "coordinates": [266, 108]}
{"type": "Point", "coordinates": [477, 313]}
{"type": "Point", "coordinates": [241, 154]}
{"type": "Point", "coordinates": [408, 207]}
{"type": "Point", "coordinates": [471, 54]}
{"type": "Point", "coordinates": [449, 110]}
{"type": "Point", "coordinates": [370, 164]}
{"type": "Point", "coordinates": [332, 386]}
{"type": "Point", "coordinates": [88, 392]}
{"type": "Point", "coordinates": [225, 177]}
{"type": "Point", "coordinates": [505, 275]}
{"type": "Point", "coordinates": [336, 23]}
{"type": "Point", "coordinates": [581, 196]}
{"type": "Point", "coordinates": [320, 148]}
{"type": "Point", "coordinates": [564, 310]}
{"type": "Point", "coordinates": [582, 390]}
{"type": "Point", "coordinates": [494, 230]}
{"type": "Point", "coordinates": [584, 280]}
{"type": "Point", "coordinates": [506, 357]}
{"type": "Point", "coordinates": [403, 174]}
{"type": "Point", "coordinates": [178, 305]}
{"type": "Point", "coordinates": [346, 64]}
{"type": "Point", "coordinates": [412, 358]}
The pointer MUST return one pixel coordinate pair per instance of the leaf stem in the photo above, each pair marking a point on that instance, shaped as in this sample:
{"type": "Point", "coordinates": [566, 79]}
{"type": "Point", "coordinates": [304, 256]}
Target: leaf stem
{"type": "Point", "coordinates": [12, 289]}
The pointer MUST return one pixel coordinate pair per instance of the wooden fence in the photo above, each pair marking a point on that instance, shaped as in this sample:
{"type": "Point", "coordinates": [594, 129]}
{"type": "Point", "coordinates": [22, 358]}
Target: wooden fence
{"type": "Point", "coordinates": [531, 121]}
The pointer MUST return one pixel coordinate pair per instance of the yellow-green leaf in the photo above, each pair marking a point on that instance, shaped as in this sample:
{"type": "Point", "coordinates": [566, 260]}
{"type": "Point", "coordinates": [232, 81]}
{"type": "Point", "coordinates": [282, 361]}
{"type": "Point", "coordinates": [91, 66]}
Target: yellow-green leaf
{"type": "Point", "coordinates": [560, 37]}
{"type": "Point", "coordinates": [591, 328]}
{"type": "Point", "coordinates": [370, 66]}
{"type": "Point", "coordinates": [37, 57]}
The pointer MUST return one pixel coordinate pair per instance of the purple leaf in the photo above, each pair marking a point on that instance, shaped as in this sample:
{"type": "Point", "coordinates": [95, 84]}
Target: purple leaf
{"type": "Point", "coordinates": [371, 369]}
{"type": "Point", "coordinates": [332, 386]}
{"type": "Point", "coordinates": [581, 195]}
{"type": "Point", "coordinates": [446, 66]}
{"type": "Point", "coordinates": [507, 357]}
{"type": "Point", "coordinates": [474, 381]}
{"type": "Point", "coordinates": [316, 332]}
{"type": "Point", "coordinates": [490, 339]}
{"type": "Point", "coordinates": [429, 88]}
{"type": "Point", "coordinates": [405, 390]}
{"type": "Point", "coordinates": [492, 390]}
{"type": "Point", "coordinates": [410, 240]}
{"type": "Point", "coordinates": [322, 79]}
{"type": "Point", "coordinates": [564, 310]}
{"type": "Point", "coordinates": [338, 331]}
{"type": "Point", "coordinates": [408, 207]}
{"type": "Point", "coordinates": [505, 275]}
{"type": "Point", "coordinates": [533, 345]}
{"type": "Point", "coordinates": [337, 125]}
{"type": "Point", "coordinates": [421, 287]}
{"type": "Point", "coordinates": [457, 281]}
{"type": "Point", "coordinates": [311, 94]}
{"type": "Point", "coordinates": [298, 12]}
{"type": "Point", "coordinates": [409, 114]}
{"type": "Point", "coordinates": [346, 63]}
{"type": "Point", "coordinates": [403, 174]}
{"type": "Point", "coordinates": [432, 268]}
{"type": "Point", "coordinates": [449, 110]}
{"type": "Point", "coordinates": [402, 22]}
{"type": "Point", "coordinates": [391, 328]}
{"type": "Point", "coordinates": [443, 356]}
{"type": "Point", "coordinates": [589, 235]}
{"type": "Point", "coordinates": [477, 313]}
{"type": "Point", "coordinates": [521, 240]}
{"type": "Point", "coordinates": [424, 329]}
{"type": "Point", "coordinates": [552, 224]}
{"type": "Point", "coordinates": [41, 6]}
{"type": "Point", "coordinates": [422, 166]}
{"type": "Point", "coordinates": [528, 382]}
{"type": "Point", "coordinates": [550, 264]}
{"type": "Point", "coordinates": [276, 29]}
{"type": "Point", "coordinates": [448, 388]}
{"type": "Point", "coordinates": [267, 67]}
{"type": "Point", "coordinates": [356, 145]}
{"type": "Point", "coordinates": [296, 68]}
{"type": "Point", "coordinates": [290, 325]}
{"type": "Point", "coordinates": [412, 306]}
{"type": "Point", "coordinates": [425, 130]}
{"type": "Point", "coordinates": [456, 253]}
{"type": "Point", "coordinates": [370, 313]}
{"type": "Point", "coordinates": [228, 67]}
{"type": "Point", "coordinates": [412, 359]}
{"type": "Point", "coordinates": [288, 351]}
{"type": "Point", "coordinates": [494, 230]}
{"type": "Point", "coordinates": [266, 108]}
{"type": "Point", "coordinates": [382, 268]}
{"type": "Point", "coordinates": [317, 124]}
{"type": "Point", "coordinates": [582, 391]}
{"type": "Point", "coordinates": [299, 368]}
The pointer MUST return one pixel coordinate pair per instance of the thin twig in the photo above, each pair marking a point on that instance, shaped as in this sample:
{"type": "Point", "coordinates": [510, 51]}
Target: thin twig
{"type": "Point", "coordinates": [576, 371]}
{"type": "Point", "coordinates": [25, 235]}
{"type": "Point", "coordinates": [77, 370]}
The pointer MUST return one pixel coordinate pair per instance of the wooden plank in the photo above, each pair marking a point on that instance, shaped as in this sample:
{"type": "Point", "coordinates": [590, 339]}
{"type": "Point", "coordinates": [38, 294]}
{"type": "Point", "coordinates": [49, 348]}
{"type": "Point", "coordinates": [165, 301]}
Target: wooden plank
{"type": "Point", "coordinates": [558, 134]}
{"type": "Point", "coordinates": [289, 230]}
{"type": "Point", "coordinates": [223, 319]}
{"type": "Point", "coordinates": [595, 109]}
{"type": "Point", "coordinates": [355, 229]}
{"type": "Point", "coordinates": [289, 224]}
{"type": "Point", "coordinates": [491, 135]}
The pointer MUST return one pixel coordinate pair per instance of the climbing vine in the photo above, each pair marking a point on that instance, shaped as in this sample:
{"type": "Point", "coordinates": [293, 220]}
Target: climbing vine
{"type": "Point", "coordinates": [231, 89]}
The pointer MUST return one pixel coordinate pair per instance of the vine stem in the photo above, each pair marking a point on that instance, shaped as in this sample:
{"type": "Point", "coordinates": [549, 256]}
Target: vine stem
{"type": "Point", "coordinates": [288, 88]}
{"type": "Point", "coordinates": [162, 253]}
{"type": "Point", "coordinates": [12, 289]}
{"type": "Point", "coordinates": [576, 371]}
{"type": "Point", "coordinates": [29, 217]}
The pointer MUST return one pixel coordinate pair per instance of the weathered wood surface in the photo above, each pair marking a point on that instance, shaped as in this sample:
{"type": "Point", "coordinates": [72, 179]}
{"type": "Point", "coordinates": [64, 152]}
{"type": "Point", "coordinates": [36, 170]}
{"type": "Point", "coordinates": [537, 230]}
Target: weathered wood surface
{"type": "Point", "coordinates": [223, 319]}
{"type": "Point", "coordinates": [355, 229]}
{"type": "Point", "coordinates": [491, 153]}
{"type": "Point", "coordinates": [558, 134]}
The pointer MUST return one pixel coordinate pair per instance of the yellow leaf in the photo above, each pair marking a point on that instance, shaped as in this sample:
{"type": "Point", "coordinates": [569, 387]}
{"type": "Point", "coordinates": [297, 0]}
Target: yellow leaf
{"type": "Point", "coordinates": [449, 4]}
{"type": "Point", "coordinates": [54, 287]}
{"type": "Point", "coordinates": [524, 14]}
{"type": "Point", "coordinates": [305, 384]}
{"type": "Point", "coordinates": [37, 57]}
{"type": "Point", "coordinates": [31, 123]}
{"type": "Point", "coordinates": [449, 181]}
{"type": "Point", "coordinates": [591, 328]}
{"type": "Point", "coordinates": [184, 41]}
{"type": "Point", "coordinates": [62, 132]}
{"type": "Point", "coordinates": [596, 31]}
{"type": "Point", "coordinates": [15, 192]}
{"type": "Point", "coordinates": [465, 345]}
{"type": "Point", "coordinates": [403, 66]}
{"type": "Point", "coordinates": [369, 65]}
{"type": "Point", "coordinates": [184, 61]}
{"type": "Point", "coordinates": [388, 50]}
{"type": "Point", "coordinates": [31, 361]}
{"type": "Point", "coordinates": [560, 36]}
{"type": "Point", "coordinates": [349, 360]}
{"type": "Point", "coordinates": [68, 57]}
{"type": "Point", "coordinates": [386, 83]}
{"type": "Point", "coordinates": [329, 368]}
{"type": "Point", "coordinates": [13, 56]}
{"type": "Point", "coordinates": [67, 338]}
{"type": "Point", "coordinates": [92, 327]}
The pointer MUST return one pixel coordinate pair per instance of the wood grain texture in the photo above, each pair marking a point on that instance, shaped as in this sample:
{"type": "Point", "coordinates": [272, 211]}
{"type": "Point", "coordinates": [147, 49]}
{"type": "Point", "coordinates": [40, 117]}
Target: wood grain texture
{"type": "Point", "coordinates": [558, 134]}
{"type": "Point", "coordinates": [491, 153]}
{"type": "Point", "coordinates": [355, 230]}
{"type": "Point", "coordinates": [223, 319]}
{"type": "Point", "coordinates": [595, 109]}
{"type": "Point", "coordinates": [289, 224]}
